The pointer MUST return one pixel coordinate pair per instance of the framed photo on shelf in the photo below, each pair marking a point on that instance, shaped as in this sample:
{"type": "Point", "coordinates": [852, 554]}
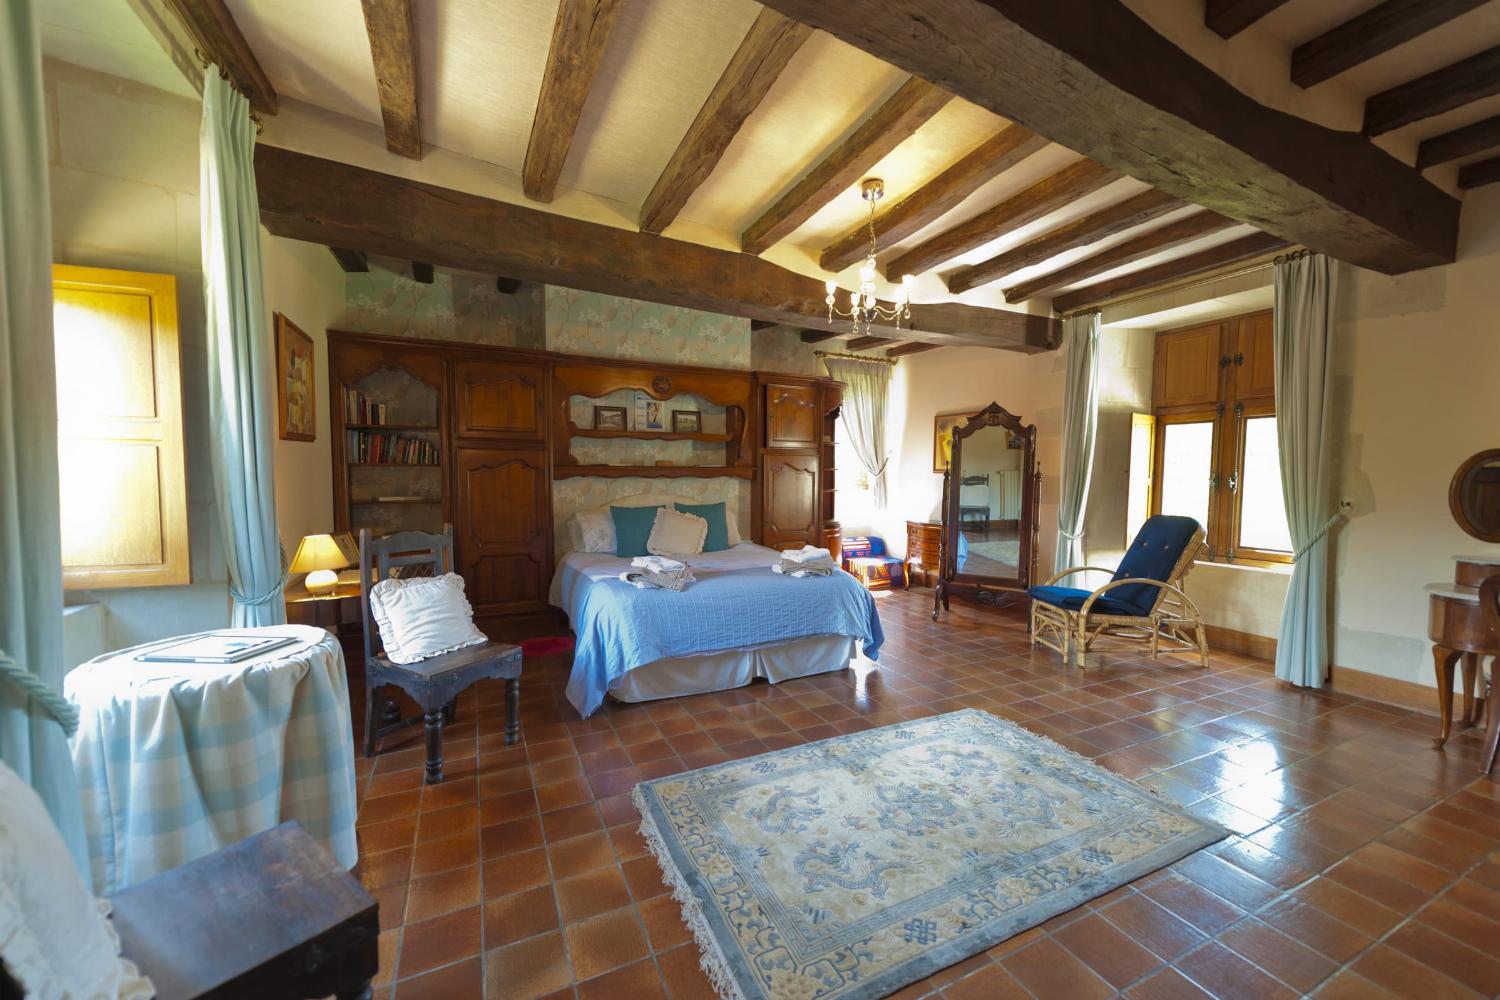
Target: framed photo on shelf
{"type": "Point", "coordinates": [943, 426]}
{"type": "Point", "coordinates": [296, 410]}
{"type": "Point", "coordinates": [687, 422]}
{"type": "Point", "coordinates": [609, 418]}
{"type": "Point", "coordinates": [648, 413]}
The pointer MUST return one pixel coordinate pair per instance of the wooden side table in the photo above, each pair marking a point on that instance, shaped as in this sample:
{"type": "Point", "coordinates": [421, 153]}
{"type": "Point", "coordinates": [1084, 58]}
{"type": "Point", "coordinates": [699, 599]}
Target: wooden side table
{"type": "Point", "coordinates": [923, 550]}
{"type": "Point", "coordinates": [337, 612]}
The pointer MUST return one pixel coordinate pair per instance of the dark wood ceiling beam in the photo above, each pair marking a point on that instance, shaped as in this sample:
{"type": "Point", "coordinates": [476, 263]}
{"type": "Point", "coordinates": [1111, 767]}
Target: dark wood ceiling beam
{"type": "Point", "coordinates": [219, 39]}
{"type": "Point", "coordinates": [352, 261]}
{"type": "Point", "coordinates": [903, 113]}
{"type": "Point", "coordinates": [1433, 93]}
{"type": "Point", "coordinates": [866, 343]}
{"type": "Point", "coordinates": [1459, 143]}
{"type": "Point", "coordinates": [1227, 18]}
{"type": "Point", "coordinates": [1134, 211]}
{"type": "Point", "coordinates": [817, 336]}
{"type": "Point", "coordinates": [934, 199]}
{"type": "Point", "coordinates": [1367, 35]}
{"type": "Point", "coordinates": [1189, 266]}
{"type": "Point", "coordinates": [321, 201]}
{"type": "Point", "coordinates": [915, 347]}
{"type": "Point", "coordinates": [1139, 104]}
{"type": "Point", "coordinates": [763, 53]}
{"type": "Point", "coordinates": [1173, 234]}
{"type": "Point", "coordinates": [1479, 173]}
{"type": "Point", "coordinates": [578, 38]}
{"type": "Point", "coordinates": [1045, 196]}
{"type": "Point", "coordinates": [393, 47]}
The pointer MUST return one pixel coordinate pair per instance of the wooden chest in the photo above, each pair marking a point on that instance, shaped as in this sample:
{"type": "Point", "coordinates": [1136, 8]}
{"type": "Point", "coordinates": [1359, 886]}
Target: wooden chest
{"type": "Point", "coordinates": [923, 544]}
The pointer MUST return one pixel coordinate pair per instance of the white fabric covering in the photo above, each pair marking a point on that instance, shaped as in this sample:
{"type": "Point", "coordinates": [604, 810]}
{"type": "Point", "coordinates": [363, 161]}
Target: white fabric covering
{"type": "Point", "coordinates": [678, 677]}
{"type": "Point", "coordinates": [421, 617]}
{"type": "Point", "coordinates": [56, 939]}
{"type": "Point", "coordinates": [808, 553]}
{"type": "Point", "coordinates": [657, 564]}
{"type": "Point", "coordinates": [676, 534]}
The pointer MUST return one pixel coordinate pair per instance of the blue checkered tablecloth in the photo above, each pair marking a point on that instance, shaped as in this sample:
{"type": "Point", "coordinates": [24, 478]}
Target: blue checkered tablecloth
{"type": "Point", "coordinates": [176, 760]}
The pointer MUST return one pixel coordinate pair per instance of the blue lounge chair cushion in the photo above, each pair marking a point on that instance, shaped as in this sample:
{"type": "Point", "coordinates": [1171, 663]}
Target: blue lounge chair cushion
{"type": "Point", "coordinates": [1152, 556]}
{"type": "Point", "coordinates": [1072, 598]}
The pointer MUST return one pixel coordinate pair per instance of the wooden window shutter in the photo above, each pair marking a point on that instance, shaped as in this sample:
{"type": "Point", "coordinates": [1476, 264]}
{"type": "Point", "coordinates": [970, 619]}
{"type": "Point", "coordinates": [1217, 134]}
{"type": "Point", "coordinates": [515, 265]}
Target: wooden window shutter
{"type": "Point", "coordinates": [120, 446]}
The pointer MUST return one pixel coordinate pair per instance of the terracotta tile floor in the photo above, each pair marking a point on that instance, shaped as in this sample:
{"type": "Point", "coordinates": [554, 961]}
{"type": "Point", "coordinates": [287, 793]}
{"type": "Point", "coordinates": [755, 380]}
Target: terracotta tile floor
{"type": "Point", "coordinates": [1364, 863]}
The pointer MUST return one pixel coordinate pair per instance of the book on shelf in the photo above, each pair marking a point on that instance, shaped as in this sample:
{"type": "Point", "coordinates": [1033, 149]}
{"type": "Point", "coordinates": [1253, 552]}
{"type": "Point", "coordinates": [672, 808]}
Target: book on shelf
{"type": "Point", "coordinates": [361, 409]}
{"type": "Point", "coordinates": [379, 448]}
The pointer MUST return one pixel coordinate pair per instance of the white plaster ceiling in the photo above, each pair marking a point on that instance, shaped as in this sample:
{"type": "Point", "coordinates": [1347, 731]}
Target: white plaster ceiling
{"type": "Point", "coordinates": [108, 36]}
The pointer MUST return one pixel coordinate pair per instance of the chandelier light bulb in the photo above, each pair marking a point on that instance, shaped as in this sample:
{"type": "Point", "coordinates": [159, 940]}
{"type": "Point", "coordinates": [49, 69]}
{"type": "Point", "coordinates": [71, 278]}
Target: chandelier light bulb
{"type": "Point", "coordinates": [864, 308]}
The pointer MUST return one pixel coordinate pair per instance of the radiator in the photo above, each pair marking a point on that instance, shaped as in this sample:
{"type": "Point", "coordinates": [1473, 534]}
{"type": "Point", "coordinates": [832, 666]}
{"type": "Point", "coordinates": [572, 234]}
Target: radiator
{"type": "Point", "coordinates": [1008, 486]}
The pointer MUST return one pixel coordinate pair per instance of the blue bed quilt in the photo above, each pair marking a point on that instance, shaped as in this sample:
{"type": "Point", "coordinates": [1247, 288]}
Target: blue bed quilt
{"type": "Point", "coordinates": [620, 627]}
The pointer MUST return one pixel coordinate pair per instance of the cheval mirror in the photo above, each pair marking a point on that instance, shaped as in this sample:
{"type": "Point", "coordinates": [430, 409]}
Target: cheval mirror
{"type": "Point", "coordinates": [989, 533]}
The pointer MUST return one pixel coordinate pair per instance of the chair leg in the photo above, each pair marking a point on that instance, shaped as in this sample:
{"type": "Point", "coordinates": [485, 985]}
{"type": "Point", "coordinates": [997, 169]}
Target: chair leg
{"type": "Point", "coordinates": [370, 722]}
{"type": "Point", "coordinates": [512, 710]}
{"type": "Point", "coordinates": [1202, 645]}
{"type": "Point", "coordinates": [1081, 643]}
{"type": "Point", "coordinates": [433, 724]}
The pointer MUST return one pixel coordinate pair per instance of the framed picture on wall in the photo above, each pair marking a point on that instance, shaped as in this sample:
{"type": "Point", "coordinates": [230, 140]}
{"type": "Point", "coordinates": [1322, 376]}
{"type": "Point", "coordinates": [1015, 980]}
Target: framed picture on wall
{"type": "Point", "coordinates": [942, 437]}
{"type": "Point", "coordinates": [687, 422]}
{"type": "Point", "coordinates": [609, 418]}
{"type": "Point", "coordinates": [648, 413]}
{"type": "Point", "coordinates": [296, 397]}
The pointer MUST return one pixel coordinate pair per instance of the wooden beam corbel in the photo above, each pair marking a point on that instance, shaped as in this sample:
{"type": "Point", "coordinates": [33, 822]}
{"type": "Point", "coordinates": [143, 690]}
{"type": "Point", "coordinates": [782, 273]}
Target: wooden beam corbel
{"type": "Point", "coordinates": [352, 261]}
{"type": "Point", "coordinates": [915, 347]}
{"type": "Point", "coordinates": [817, 336]}
{"type": "Point", "coordinates": [421, 273]}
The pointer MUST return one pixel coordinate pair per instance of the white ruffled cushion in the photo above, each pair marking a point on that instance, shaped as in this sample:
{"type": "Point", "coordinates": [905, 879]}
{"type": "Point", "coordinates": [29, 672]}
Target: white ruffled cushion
{"type": "Point", "coordinates": [674, 533]}
{"type": "Point", "coordinates": [55, 938]}
{"type": "Point", "coordinates": [420, 617]}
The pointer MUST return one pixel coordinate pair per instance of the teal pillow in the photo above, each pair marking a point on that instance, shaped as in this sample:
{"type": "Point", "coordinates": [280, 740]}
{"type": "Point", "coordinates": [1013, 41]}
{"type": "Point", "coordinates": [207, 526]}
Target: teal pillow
{"type": "Point", "coordinates": [717, 538]}
{"type": "Point", "coordinates": [632, 528]}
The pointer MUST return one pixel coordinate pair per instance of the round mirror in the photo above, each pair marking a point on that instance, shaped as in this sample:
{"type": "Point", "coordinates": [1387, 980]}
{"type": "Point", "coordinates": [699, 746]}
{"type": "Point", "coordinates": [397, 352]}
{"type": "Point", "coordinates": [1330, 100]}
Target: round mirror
{"type": "Point", "coordinates": [1474, 496]}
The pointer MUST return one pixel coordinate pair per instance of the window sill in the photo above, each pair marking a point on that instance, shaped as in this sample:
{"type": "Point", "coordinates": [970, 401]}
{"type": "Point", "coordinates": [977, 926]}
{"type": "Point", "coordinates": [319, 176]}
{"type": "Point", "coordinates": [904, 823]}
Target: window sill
{"type": "Point", "coordinates": [1247, 566]}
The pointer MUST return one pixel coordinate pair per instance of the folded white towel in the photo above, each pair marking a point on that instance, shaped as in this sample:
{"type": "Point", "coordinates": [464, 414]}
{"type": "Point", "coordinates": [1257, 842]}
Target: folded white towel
{"type": "Point", "coordinates": [652, 580]}
{"type": "Point", "coordinates": [658, 564]}
{"type": "Point", "coordinates": [808, 553]}
{"type": "Point", "coordinates": [804, 569]}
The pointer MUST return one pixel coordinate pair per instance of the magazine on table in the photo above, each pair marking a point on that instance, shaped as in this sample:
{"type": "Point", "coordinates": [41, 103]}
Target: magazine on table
{"type": "Point", "coordinates": [227, 646]}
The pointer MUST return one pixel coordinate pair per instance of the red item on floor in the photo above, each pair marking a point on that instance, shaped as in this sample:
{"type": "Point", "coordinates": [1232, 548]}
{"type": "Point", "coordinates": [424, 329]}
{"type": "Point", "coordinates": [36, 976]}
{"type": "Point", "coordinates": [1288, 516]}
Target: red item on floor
{"type": "Point", "coordinates": [547, 645]}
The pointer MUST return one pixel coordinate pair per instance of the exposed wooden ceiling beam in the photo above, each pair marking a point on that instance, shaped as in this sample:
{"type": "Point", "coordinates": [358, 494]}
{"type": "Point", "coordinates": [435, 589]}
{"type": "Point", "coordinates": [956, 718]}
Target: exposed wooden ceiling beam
{"type": "Point", "coordinates": [1134, 211]}
{"type": "Point", "coordinates": [352, 261]}
{"type": "Point", "coordinates": [1189, 266]}
{"type": "Point", "coordinates": [1173, 234]}
{"type": "Point", "coordinates": [1444, 89]}
{"type": "Point", "coordinates": [1046, 195]}
{"type": "Point", "coordinates": [818, 336]}
{"type": "Point", "coordinates": [421, 273]}
{"type": "Point", "coordinates": [763, 53]}
{"type": "Point", "coordinates": [865, 343]}
{"type": "Point", "coordinates": [932, 200]}
{"type": "Point", "coordinates": [1227, 18]}
{"type": "Point", "coordinates": [393, 46]}
{"type": "Point", "coordinates": [1479, 173]}
{"type": "Point", "coordinates": [907, 109]}
{"type": "Point", "coordinates": [1459, 143]}
{"type": "Point", "coordinates": [1367, 35]}
{"type": "Point", "coordinates": [507, 286]}
{"type": "Point", "coordinates": [915, 347]}
{"type": "Point", "coordinates": [578, 38]}
{"type": "Point", "coordinates": [1140, 105]}
{"type": "Point", "coordinates": [308, 198]}
{"type": "Point", "coordinates": [219, 39]}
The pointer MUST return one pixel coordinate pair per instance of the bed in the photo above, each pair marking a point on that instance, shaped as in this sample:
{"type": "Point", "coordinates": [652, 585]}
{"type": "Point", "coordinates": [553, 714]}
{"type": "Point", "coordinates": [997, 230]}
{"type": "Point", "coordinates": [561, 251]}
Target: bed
{"type": "Point", "coordinates": [739, 621]}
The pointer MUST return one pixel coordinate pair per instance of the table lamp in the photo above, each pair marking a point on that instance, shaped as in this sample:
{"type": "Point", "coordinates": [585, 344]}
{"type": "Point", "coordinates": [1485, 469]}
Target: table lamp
{"type": "Point", "coordinates": [320, 557]}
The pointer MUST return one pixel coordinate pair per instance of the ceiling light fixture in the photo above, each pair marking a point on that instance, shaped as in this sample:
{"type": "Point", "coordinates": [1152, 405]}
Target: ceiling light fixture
{"type": "Point", "coordinates": [864, 308]}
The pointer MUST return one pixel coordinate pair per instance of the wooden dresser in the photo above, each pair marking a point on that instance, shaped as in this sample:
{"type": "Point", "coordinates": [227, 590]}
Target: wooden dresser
{"type": "Point", "coordinates": [1459, 632]}
{"type": "Point", "coordinates": [923, 551]}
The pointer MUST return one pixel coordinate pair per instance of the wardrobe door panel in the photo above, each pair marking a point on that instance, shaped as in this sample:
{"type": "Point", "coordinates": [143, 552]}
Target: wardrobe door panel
{"type": "Point", "coordinates": [504, 541]}
{"type": "Point", "coordinates": [497, 400]}
{"type": "Point", "coordinates": [1188, 366]}
{"type": "Point", "coordinates": [792, 417]}
{"type": "Point", "coordinates": [789, 483]}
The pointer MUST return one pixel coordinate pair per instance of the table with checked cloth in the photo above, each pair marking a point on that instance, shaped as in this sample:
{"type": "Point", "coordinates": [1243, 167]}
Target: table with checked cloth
{"type": "Point", "coordinates": [176, 760]}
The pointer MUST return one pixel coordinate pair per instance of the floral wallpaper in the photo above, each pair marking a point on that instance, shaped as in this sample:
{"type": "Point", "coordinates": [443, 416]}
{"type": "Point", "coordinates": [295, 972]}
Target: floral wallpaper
{"type": "Point", "coordinates": [781, 349]}
{"type": "Point", "coordinates": [569, 496]}
{"type": "Point", "coordinates": [454, 307]}
{"type": "Point", "coordinates": [608, 326]}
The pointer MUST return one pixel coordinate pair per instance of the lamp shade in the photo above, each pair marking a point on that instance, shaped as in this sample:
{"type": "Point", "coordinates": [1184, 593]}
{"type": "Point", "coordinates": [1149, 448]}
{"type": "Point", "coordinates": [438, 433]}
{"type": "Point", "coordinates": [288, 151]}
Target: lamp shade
{"type": "Point", "coordinates": [318, 552]}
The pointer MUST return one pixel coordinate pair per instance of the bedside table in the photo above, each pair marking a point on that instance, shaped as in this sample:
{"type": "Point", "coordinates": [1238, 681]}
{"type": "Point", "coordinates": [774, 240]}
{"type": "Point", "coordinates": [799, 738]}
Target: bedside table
{"type": "Point", "coordinates": [337, 612]}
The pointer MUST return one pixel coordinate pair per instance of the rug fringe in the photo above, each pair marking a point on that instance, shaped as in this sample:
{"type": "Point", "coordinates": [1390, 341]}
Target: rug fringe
{"type": "Point", "coordinates": [711, 959]}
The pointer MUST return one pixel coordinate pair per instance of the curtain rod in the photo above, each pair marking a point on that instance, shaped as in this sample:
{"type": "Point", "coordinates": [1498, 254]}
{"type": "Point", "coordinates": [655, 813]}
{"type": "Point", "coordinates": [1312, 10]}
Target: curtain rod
{"type": "Point", "coordinates": [854, 357]}
{"type": "Point", "coordinates": [1209, 279]}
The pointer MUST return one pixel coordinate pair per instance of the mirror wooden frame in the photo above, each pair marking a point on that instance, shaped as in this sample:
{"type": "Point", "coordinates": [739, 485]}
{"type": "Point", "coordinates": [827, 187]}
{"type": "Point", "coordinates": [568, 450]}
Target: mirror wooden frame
{"type": "Point", "coordinates": [988, 590]}
{"type": "Point", "coordinates": [1456, 499]}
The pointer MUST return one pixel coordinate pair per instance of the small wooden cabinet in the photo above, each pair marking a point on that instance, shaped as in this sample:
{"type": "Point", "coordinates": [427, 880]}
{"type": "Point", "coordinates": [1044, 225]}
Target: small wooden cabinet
{"type": "Point", "coordinates": [1255, 357]}
{"type": "Point", "coordinates": [495, 400]}
{"type": "Point", "coordinates": [793, 416]}
{"type": "Point", "coordinates": [924, 541]}
{"type": "Point", "coordinates": [1187, 366]}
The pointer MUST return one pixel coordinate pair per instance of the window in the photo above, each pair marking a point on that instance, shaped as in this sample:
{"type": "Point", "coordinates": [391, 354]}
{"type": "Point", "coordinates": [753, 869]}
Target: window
{"type": "Point", "coordinates": [1216, 456]}
{"type": "Point", "coordinates": [123, 491]}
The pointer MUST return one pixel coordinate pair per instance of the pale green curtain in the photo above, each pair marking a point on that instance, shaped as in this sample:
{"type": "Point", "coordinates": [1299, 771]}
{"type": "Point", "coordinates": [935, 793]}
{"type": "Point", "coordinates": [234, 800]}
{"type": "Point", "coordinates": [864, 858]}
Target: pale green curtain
{"type": "Point", "coordinates": [867, 390]}
{"type": "Point", "coordinates": [1305, 290]}
{"type": "Point", "coordinates": [241, 374]}
{"type": "Point", "coordinates": [1080, 421]}
{"type": "Point", "coordinates": [35, 721]}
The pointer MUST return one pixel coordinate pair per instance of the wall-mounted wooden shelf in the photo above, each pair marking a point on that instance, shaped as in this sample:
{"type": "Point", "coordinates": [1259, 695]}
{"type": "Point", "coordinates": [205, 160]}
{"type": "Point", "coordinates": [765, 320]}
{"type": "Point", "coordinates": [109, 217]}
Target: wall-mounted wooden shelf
{"type": "Point", "coordinates": [390, 427]}
{"type": "Point", "coordinates": [606, 432]}
{"type": "Point", "coordinates": [370, 500]}
{"type": "Point", "coordinates": [652, 471]}
{"type": "Point", "coordinates": [397, 465]}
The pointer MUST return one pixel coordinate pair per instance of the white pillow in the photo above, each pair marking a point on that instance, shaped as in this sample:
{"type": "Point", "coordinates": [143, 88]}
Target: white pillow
{"type": "Point", "coordinates": [53, 932]}
{"type": "Point", "coordinates": [593, 530]}
{"type": "Point", "coordinates": [676, 534]}
{"type": "Point", "coordinates": [423, 616]}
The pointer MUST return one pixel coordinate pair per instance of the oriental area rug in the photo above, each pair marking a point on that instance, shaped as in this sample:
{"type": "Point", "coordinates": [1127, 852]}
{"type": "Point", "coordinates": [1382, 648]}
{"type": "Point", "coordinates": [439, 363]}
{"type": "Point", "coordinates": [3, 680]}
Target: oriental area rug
{"type": "Point", "coordinates": [851, 867]}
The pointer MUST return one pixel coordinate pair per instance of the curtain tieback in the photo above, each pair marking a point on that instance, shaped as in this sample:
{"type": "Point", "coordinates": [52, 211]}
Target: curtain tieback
{"type": "Point", "coordinates": [272, 592]}
{"type": "Point", "coordinates": [1071, 536]}
{"type": "Point", "coordinates": [33, 686]}
{"type": "Point", "coordinates": [1318, 536]}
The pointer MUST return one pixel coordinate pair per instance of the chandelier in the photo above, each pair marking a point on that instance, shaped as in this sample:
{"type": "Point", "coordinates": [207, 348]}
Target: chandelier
{"type": "Point", "coordinates": [864, 308]}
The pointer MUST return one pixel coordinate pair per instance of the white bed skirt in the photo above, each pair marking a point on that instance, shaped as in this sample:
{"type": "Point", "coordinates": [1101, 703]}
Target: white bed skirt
{"type": "Point", "coordinates": [676, 677]}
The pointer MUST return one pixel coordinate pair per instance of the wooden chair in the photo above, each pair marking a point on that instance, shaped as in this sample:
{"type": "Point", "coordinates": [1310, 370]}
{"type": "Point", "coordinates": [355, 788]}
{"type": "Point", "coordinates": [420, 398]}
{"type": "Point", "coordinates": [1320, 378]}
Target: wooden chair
{"type": "Point", "coordinates": [1143, 601]}
{"type": "Point", "coordinates": [435, 682]}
